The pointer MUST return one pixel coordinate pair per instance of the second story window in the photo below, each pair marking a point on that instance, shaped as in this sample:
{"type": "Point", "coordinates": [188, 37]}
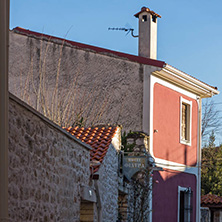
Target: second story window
{"type": "Point", "coordinates": [185, 121]}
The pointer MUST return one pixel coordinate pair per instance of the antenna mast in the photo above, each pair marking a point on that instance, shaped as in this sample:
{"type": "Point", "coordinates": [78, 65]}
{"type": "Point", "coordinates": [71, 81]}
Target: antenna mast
{"type": "Point", "coordinates": [126, 30]}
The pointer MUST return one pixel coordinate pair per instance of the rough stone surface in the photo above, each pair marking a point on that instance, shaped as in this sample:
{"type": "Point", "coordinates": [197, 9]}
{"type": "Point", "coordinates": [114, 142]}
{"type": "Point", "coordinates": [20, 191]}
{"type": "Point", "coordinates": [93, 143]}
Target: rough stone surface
{"type": "Point", "coordinates": [46, 169]}
{"type": "Point", "coordinates": [114, 85]}
{"type": "Point", "coordinates": [108, 185]}
{"type": "Point", "coordinates": [205, 214]}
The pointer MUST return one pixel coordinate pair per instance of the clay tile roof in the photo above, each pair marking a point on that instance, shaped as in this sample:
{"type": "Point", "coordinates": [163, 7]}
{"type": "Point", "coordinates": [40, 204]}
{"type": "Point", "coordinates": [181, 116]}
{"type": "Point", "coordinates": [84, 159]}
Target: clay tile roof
{"type": "Point", "coordinates": [98, 138]}
{"type": "Point", "coordinates": [211, 200]}
{"type": "Point", "coordinates": [145, 9]}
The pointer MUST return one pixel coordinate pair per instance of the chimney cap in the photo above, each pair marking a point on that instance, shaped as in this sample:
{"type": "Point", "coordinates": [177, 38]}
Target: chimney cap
{"type": "Point", "coordinates": [145, 9]}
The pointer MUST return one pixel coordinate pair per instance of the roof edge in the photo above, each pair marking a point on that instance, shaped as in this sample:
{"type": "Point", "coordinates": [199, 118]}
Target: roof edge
{"type": "Point", "coordinates": [187, 81]}
{"type": "Point", "coordinates": [99, 50]}
{"type": "Point", "coordinates": [145, 9]}
{"type": "Point", "coordinates": [47, 121]}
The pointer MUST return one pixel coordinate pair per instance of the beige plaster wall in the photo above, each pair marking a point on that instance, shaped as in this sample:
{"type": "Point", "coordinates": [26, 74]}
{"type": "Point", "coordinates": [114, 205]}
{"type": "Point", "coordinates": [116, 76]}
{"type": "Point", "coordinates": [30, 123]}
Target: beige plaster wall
{"type": "Point", "coordinates": [46, 168]}
{"type": "Point", "coordinates": [110, 83]}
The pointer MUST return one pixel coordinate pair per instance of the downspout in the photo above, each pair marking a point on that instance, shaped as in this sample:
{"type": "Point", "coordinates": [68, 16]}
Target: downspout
{"type": "Point", "coordinates": [4, 42]}
{"type": "Point", "coordinates": [199, 162]}
{"type": "Point", "coordinates": [98, 204]}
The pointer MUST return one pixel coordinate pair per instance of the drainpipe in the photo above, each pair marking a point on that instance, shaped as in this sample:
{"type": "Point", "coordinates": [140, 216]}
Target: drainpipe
{"type": "Point", "coordinates": [99, 205]}
{"type": "Point", "coordinates": [199, 161]}
{"type": "Point", "coordinates": [4, 42]}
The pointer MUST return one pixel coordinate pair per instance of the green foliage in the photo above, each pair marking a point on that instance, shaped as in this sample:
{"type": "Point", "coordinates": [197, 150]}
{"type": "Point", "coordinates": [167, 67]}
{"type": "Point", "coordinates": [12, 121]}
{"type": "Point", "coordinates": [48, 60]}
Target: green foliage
{"type": "Point", "coordinates": [211, 170]}
{"type": "Point", "coordinates": [79, 121]}
{"type": "Point", "coordinates": [125, 146]}
{"type": "Point", "coordinates": [211, 140]}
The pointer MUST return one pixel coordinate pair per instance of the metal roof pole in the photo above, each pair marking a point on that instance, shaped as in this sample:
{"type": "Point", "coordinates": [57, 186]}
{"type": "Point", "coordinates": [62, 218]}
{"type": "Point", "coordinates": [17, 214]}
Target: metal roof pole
{"type": "Point", "coordinates": [4, 42]}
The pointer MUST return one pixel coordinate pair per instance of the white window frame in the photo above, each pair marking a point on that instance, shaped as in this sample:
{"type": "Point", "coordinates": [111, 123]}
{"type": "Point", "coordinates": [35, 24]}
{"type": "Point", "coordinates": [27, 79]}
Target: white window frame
{"type": "Point", "coordinates": [189, 103]}
{"type": "Point", "coordinates": [189, 203]}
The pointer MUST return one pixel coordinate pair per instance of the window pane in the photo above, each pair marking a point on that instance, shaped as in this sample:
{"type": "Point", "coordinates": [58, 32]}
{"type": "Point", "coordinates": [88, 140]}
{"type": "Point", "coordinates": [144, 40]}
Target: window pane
{"type": "Point", "coordinates": [184, 122]}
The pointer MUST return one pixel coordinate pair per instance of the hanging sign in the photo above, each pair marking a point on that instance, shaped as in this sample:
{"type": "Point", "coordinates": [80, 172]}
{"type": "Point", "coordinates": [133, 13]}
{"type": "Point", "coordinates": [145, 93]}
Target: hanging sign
{"type": "Point", "coordinates": [133, 164]}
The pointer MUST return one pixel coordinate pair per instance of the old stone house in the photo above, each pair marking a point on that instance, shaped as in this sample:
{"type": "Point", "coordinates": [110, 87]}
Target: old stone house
{"type": "Point", "coordinates": [139, 92]}
{"type": "Point", "coordinates": [47, 167]}
{"type": "Point", "coordinates": [55, 176]}
{"type": "Point", "coordinates": [106, 144]}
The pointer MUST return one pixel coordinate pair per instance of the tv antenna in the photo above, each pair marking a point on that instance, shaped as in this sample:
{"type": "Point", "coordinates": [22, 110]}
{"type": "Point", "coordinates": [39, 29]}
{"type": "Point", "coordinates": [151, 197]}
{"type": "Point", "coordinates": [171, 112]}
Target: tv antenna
{"type": "Point", "coordinates": [128, 30]}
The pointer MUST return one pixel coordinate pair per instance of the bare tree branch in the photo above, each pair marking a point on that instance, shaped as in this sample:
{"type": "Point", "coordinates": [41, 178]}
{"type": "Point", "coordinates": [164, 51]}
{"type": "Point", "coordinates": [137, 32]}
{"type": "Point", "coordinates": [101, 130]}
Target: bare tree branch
{"type": "Point", "coordinates": [211, 119]}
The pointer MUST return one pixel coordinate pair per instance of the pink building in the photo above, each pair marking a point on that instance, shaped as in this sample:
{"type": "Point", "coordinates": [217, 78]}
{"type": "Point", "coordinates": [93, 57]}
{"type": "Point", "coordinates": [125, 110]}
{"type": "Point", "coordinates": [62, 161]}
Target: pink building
{"type": "Point", "coordinates": [172, 113]}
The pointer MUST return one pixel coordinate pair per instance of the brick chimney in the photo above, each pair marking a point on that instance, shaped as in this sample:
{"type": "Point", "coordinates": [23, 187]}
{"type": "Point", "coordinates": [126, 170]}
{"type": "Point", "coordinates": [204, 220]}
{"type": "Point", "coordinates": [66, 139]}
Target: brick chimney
{"type": "Point", "coordinates": [147, 33]}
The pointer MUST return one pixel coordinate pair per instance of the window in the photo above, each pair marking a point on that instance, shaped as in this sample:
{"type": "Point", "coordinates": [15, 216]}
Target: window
{"type": "Point", "coordinates": [154, 18]}
{"type": "Point", "coordinates": [184, 204]}
{"type": "Point", "coordinates": [185, 121]}
{"type": "Point", "coordinates": [144, 19]}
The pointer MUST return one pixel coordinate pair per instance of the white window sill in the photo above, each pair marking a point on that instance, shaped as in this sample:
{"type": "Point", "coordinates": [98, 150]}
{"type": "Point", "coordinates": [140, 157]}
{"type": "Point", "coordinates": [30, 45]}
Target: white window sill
{"type": "Point", "coordinates": [185, 142]}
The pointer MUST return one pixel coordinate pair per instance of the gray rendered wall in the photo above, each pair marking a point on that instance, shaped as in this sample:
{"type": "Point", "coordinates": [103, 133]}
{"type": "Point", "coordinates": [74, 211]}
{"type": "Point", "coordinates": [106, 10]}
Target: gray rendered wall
{"type": "Point", "coordinates": [46, 168]}
{"type": "Point", "coordinates": [115, 83]}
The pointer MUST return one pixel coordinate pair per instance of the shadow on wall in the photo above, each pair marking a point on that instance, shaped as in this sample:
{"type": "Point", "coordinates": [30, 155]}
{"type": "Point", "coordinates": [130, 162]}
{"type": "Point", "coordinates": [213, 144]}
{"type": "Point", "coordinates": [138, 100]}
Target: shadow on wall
{"type": "Point", "coordinates": [166, 195]}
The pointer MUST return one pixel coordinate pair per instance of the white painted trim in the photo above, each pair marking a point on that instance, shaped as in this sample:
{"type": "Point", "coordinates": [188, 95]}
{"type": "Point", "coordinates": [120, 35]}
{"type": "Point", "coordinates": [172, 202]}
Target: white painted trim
{"type": "Point", "coordinates": [178, 203]}
{"type": "Point", "coordinates": [186, 81]}
{"type": "Point", "coordinates": [186, 142]}
{"type": "Point", "coordinates": [178, 208]}
{"type": "Point", "coordinates": [161, 162]}
{"type": "Point", "coordinates": [192, 79]}
{"type": "Point", "coordinates": [176, 166]}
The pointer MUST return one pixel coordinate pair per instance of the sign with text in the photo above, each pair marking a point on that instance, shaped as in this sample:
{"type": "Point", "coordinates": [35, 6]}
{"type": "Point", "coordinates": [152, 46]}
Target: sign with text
{"type": "Point", "coordinates": [133, 164]}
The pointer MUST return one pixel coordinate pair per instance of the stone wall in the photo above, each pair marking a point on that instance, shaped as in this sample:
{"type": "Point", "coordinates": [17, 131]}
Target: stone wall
{"type": "Point", "coordinates": [108, 186]}
{"type": "Point", "coordinates": [108, 182]}
{"type": "Point", "coordinates": [205, 214]}
{"type": "Point", "coordinates": [112, 84]}
{"type": "Point", "coordinates": [46, 168]}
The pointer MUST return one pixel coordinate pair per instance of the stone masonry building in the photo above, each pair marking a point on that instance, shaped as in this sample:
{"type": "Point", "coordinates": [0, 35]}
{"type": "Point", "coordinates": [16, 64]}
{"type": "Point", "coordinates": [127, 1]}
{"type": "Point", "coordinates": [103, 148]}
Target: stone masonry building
{"type": "Point", "coordinates": [47, 166]}
{"type": "Point", "coordinates": [55, 176]}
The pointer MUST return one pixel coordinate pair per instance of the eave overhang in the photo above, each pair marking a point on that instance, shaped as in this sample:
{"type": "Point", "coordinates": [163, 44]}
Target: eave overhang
{"type": "Point", "coordinates": [181, 79]}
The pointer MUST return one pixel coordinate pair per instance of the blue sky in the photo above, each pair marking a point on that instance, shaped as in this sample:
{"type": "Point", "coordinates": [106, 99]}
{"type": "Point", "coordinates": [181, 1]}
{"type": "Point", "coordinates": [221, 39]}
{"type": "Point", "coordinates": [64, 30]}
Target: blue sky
{"type": "Point", "coordinates": [189, 32]}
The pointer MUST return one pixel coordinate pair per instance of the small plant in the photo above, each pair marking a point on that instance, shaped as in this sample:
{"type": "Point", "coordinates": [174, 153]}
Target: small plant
{"type": "Point", "coordinates": [126, 147]}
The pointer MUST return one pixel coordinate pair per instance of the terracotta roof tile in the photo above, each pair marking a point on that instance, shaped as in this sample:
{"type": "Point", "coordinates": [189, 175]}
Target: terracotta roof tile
{"type": "Point", "coordinates": [99, 138]}
{"type": "Point", "coordinates": [211, 200]}
{"type": "Point", "coordinates": [145, 9]}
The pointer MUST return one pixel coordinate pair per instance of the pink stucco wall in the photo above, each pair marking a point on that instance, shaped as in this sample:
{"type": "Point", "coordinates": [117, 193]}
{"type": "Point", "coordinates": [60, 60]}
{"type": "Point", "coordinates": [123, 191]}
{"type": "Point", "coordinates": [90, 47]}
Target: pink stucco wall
{"type": "Point", "coordinates": [165, 195]}
{"type": "Point", "coordinates": [166, 119]}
